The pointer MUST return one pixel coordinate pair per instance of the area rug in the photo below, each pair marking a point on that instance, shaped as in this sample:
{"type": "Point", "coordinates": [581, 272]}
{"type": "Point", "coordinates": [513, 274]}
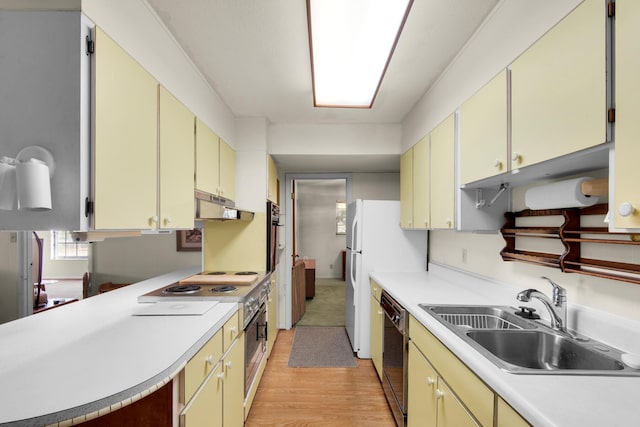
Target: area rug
{"type": "Point", "coordinates": [321, 347]}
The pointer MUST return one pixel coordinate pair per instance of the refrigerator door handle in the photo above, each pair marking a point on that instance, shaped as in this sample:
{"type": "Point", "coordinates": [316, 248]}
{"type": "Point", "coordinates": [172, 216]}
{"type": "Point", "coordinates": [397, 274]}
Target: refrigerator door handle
{"type": "Point", "coordinates": [354, 238]}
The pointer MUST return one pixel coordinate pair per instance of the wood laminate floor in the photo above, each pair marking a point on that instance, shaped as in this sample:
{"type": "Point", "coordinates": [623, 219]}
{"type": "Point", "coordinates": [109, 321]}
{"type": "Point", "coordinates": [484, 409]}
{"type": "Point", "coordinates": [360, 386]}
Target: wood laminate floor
{"type": "Point", "coordinates": [317, 396]}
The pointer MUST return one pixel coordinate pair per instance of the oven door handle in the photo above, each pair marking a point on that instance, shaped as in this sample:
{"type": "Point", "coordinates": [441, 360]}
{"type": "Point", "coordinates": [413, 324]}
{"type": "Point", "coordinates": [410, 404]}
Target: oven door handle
{"type": "Point", "coordinates": [264, 331]}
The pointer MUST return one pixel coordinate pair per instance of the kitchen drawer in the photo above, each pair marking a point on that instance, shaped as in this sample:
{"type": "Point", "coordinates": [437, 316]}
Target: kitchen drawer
{"type": "Point", "coordinates": [230, 331]}
{"type": "Point", "coordinates": [477, 397]}
{"type": "Point", "coordinates": [376, 290]}
{"type": "Point", "coordinates": [201, 365]}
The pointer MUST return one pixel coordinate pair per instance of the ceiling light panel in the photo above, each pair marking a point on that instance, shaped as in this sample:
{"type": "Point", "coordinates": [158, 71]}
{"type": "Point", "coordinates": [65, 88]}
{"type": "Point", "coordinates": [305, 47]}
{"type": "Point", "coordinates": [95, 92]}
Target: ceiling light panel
{"type": "Point", "coordinates": [351, 45]}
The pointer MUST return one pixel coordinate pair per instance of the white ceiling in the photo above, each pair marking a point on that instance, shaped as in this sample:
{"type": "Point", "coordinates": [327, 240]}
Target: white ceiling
{"type": "Point", "coordinates": [255, 54]}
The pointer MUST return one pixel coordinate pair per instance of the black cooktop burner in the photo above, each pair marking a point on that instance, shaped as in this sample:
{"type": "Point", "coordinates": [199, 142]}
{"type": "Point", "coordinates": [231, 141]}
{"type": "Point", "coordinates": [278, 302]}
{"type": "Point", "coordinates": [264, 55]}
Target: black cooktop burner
{"type": "Point", "coordinates": [223, 289]}
{"type": "Point", "coordinates": [245, 273]}
{"type": "Point", "coordinates": [216, 273]}
{"type": "Point", "coordinates": [182, 289]}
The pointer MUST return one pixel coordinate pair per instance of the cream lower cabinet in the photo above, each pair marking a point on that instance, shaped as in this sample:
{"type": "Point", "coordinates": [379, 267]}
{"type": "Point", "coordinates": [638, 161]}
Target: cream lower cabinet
{"type": "Point", "coordinates": [211, 386]}
{"type": "Point", "coordinates": [626, 199]}
{"type": "Point", "coordinates": [444, 392]}
{"type": "Point", "coordinates": [431, 401]}
{"type": "Point", "coordinates": [506, 416]}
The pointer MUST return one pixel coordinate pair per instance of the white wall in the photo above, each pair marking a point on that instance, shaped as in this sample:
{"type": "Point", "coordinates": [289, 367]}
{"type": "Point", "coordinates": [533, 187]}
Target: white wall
{"type": "Point", "coordinates": [375, 186]}
{"type": "Point", "coordinates": [513, 26]}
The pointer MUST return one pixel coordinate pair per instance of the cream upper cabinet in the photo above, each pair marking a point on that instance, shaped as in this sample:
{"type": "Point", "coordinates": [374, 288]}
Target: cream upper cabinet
{"type": "Point", "coordinates": [207, 159]}
{"type": "Point", "coordinates": [483, 132]}
{"type": "Point", "coordinates": [406, 189]}
{"type": "Point", "coordinates": [227, 171]}
{"type": "Point", "coordinates": [125, 140]}
{"type": "Point", "coordinates": [626, 197]}
{"type": "Point", "coordinates": [176, 163]}
{"type": "Point", "coordinates": [215, 163]}
{"type": "Point", "coordinates": [272, 180]}
{"type": "Point", "coordinates": [443, 174]}
{"type": "Point", "coordinates": [421, 181]}
{"type": "Point", "coordinates": [558, 89]}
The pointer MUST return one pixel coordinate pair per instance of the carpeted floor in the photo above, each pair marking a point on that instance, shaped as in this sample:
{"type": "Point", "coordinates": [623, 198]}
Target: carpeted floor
{"type": "Point", "coordinates": [327, 307]}
{"type": "Point", "coordinates": [321, 347]}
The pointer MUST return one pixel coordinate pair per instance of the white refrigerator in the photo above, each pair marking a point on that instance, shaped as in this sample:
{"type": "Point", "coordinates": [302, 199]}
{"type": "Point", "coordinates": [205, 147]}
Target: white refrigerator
{"type": "Point", "coordinates": [375, 242]}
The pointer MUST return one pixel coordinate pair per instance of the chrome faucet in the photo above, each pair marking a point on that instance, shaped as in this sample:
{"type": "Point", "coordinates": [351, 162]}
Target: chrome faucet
{"type": "Point", "coordinates": [557, 305]}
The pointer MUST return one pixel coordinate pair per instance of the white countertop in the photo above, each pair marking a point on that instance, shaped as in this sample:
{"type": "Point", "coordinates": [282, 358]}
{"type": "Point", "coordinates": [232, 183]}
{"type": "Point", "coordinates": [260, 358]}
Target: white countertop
{"type": "Point", "coordinates": [88, 355]}
{"type": "Point", "coordinates": [544, 400]}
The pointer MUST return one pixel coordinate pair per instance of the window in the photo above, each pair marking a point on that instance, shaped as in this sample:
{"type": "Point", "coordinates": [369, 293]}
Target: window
{"type": "Point", "coordinates": [64, 247]}
{"type": "Point", "coordinates": [341, 218]}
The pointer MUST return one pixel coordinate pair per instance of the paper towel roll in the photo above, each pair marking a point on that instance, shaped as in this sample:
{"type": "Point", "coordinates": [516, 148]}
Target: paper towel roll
{"type": "Point", "coordinates": [34, 186]}
{"type": "Point", "coordinates": [8, 199]}
{"type": "Point", "coordinates": [562, 194]}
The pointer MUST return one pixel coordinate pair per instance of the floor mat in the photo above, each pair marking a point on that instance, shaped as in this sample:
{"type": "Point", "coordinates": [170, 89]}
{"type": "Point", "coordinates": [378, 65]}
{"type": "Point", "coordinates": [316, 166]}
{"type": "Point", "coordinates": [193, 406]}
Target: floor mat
{"type": "Point", "coordinates": [321, 347]}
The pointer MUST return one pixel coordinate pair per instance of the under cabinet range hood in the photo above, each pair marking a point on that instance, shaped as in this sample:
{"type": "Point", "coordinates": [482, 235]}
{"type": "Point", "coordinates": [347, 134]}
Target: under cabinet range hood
{"type": "Point", "coordinates": [215, 208]}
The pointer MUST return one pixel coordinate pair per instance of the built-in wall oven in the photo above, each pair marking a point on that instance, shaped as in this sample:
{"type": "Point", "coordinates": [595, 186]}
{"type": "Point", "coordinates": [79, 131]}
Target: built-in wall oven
{"type": "Point", "coordinates": [394, 357]}
{"type": "Point", "coordinates": [273, 222]}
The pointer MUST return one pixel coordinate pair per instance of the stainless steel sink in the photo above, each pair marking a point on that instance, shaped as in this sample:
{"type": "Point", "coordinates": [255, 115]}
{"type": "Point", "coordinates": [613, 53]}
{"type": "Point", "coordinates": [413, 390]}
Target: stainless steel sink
{"type": "Point", "coordinates": [544, 351]}
{"type": "Point", "coordinates": [479, 317]}
{"type": "Point", "coordinates": [525, 346]}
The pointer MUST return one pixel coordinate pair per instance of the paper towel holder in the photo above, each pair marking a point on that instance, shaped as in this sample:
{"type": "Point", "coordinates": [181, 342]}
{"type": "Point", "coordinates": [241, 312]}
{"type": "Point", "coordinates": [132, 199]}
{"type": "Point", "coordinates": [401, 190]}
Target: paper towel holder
{"type": "Point", "coordinates": [34, 167]}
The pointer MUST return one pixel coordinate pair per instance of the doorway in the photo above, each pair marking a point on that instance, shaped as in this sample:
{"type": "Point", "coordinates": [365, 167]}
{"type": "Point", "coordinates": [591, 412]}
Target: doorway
{"type": "Point", "coordinates": [314, 235]}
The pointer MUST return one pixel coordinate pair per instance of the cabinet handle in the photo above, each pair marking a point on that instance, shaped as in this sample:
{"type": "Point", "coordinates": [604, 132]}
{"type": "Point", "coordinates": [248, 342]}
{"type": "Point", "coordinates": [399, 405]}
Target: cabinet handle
{"type": "Point", "coordinates": [497, 164]}
{"type": "Point", "coordinates": [379, 313]}
{"type": "Point", "coordinates": [153, 220]}
{"type": "Point", "coordinates": [449, 223]}
{"type": "Point", "coordinates": [439, 394]}
{"type": "Point", "coordinates": [516, 157]}
{"type": "Point", "coordinates": [167, 220]}
{"type": "Point", "coordinates": [430, 381]}
{"type": "Point", "coordinates": [221, 376]}
{"type": "Point", "coordinates": [626, 209]}
{"type": "Point", "coordinates": [233, 329]}
{"type": "Point", "coordinates": [229, 364]}
{"type": "Point", "coordinates": [426, 223]}
{"type": "Point", "coordinates": [210, 360]}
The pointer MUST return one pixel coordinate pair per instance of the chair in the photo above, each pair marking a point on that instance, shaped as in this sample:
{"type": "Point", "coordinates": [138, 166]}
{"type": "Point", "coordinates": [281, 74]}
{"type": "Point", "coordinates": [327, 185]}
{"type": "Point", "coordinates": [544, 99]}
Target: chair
{"type": "Point", "coordinates": [39, 296]}
{"type": "Point", "coordinates": [109, 286]}
{"type": "Point", "coordinates": [86, 284]}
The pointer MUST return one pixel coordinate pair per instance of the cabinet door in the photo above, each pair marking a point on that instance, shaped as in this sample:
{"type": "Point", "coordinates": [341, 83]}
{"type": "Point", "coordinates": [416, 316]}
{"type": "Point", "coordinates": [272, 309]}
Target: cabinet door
{"type": "Point", "coordinates": [272, 314]}
{"type": "Point", "coordinates": [421, 180]}
{"type": "Point", "coordinates": [230, 332]}
{"type": "Point", "coordinates": [207, 159]}
{"type": "Point", "coordinates": [506, 416]}
{"type": "Point", "coordinates": [176, 163]}
{"type": "Point", "coordinates": [451, 413]}
{"type": "Point", "coordinates": [227, 171]}
{"type": "Point", "coordinates": [376, 320]}
{"type": "Point", "coordinates": [483, 132]}
{"type": "Point", "coordinates": [200, 365]}
{"type": "Point", "coordinates": [205, 409]}
{"type": "Point", "coordinates": [421, 404]}
{"type": "Point", "coordinates": [443, 174]}
{"type": "Point", "coordinates": [272, 180]}
{"type": "Point", "coordinates": [558, 89]}
{"type": "Point", "coordinates": [233, 394]}
{"type": "Point", "coordinates": [125, 140]}
{"type": "Point", "coordinates": [627, 126]}
{"type": "Point", "coordinates": [406, 189]}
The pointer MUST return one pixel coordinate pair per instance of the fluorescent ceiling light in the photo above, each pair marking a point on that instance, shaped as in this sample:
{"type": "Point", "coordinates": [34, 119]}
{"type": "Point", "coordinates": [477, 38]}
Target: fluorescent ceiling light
{"type": "Point", "coordinates": [351, 44]}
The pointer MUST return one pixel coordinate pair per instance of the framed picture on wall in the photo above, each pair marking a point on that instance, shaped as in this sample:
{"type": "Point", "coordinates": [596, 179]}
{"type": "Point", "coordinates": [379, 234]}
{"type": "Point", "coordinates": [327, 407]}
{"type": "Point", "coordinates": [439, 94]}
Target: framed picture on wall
{"type": "Point", "coordinates": [189, 240]}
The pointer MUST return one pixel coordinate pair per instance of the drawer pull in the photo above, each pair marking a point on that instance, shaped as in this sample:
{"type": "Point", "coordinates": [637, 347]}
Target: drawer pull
{"type": "Point", "coordinates": [439, 394]}
{"type": "Point", "coordinates": [430, 381]}
{"type": "Point", "coordinates": [210, 360]}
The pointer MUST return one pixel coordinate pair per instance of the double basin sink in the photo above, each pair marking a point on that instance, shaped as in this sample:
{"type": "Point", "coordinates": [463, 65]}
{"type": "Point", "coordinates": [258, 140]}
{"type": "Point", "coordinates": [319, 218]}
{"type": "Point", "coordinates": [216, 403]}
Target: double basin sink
{"type": "Point", "coordinates": [524, 346]}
